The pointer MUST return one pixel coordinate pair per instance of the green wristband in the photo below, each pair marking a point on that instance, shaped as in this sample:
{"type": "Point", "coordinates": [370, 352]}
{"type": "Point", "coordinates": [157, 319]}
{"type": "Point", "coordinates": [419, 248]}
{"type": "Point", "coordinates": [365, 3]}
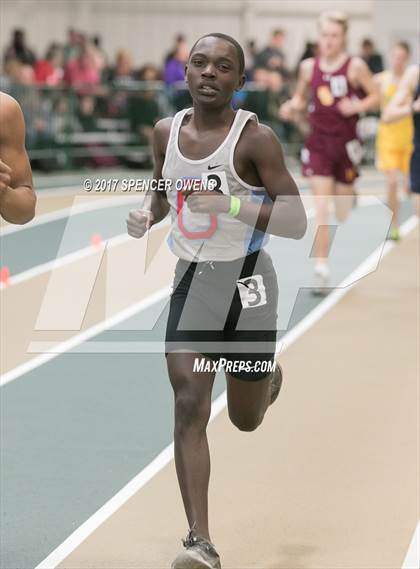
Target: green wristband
{"type": "Point", "coordinates": [235, 206]}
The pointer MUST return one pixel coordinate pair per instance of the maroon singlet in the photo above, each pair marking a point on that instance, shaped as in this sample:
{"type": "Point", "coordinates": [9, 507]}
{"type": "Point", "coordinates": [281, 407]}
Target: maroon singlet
{"type": "Point", "coordinates": [328, 88]}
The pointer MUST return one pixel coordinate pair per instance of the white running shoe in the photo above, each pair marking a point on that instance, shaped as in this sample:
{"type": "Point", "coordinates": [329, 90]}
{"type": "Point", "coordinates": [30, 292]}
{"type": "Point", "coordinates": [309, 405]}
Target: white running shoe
{"type": "Point", "coordinates": [321, 284]}
{"type": "Point", "coordinates": [199, 554]}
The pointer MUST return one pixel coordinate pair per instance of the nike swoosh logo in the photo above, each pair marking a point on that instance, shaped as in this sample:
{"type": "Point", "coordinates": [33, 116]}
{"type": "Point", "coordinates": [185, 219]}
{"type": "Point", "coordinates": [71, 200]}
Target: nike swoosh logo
{"type": "Point", "coordinates": [213, 167]}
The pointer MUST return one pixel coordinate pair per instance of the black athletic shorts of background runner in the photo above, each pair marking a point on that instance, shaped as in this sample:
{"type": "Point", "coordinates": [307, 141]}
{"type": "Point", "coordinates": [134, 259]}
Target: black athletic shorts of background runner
{"type": "Point", "coordinates": [415, 170]}
{"type": "Point", "coordinates": [206, 315]}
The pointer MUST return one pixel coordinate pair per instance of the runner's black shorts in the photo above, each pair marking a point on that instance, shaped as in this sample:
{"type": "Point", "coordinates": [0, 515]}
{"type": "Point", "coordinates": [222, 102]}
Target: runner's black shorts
{"type": "Point", "coordinates": [415, 170]}
{"type": "Point", "coordinates": [226, 309]}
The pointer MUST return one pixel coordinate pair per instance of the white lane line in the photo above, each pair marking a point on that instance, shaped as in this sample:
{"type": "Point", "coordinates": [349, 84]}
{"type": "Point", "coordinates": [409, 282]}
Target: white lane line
{"type": "Point", "coordinates": [412, 559]}
{"type": "Point", "coordinates": [154, 467]}
{"type": "Point", "coordinates": [343, 288]}
{"type": "Point", "coordinates": [62, 261]}
{"type": "Point", "coordinates": [109, 508]}
{"type": "Point", "coordinates": [120, 498]}
{"type": "Point", "coordinates": [91, 205]}
{"type": "Point", "coordinates": [70, 258]}
{"type": "Point", "coordinates": [85, 335]}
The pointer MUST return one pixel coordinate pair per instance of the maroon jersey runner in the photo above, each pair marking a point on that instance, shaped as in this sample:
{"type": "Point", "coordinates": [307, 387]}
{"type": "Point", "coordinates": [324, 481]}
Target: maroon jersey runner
{"type": "Point", "coordinates": [332, 147]}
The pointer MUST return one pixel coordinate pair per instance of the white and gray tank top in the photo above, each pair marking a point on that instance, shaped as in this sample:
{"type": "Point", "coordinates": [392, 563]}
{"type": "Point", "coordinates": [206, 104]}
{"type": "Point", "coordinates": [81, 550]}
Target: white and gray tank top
{"type": "Point", "coordinates": [201, 237]}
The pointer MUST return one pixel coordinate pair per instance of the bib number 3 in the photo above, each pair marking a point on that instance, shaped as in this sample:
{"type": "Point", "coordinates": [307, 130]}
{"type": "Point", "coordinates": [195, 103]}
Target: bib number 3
{"type": "Point", "coordinates": [252, 291]}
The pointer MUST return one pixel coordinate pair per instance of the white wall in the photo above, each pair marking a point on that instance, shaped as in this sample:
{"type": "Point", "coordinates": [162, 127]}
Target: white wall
{"type": "Point", "coordinates": [394, 21]}
{"type": "Point", "coordinates": [147, 27]}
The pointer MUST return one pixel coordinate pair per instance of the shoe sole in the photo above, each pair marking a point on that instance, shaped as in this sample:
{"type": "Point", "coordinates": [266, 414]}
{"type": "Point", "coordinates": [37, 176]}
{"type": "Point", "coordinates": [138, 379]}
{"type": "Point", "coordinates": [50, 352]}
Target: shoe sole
{"type": "Point", "coordinates": [320, 291]}
{"type": "Point", "coordinates": [190, 561]}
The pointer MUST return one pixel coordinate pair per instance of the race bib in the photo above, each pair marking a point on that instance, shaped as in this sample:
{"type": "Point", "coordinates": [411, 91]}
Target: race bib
{"type": "Point", "coordinates": [252, 291]}
{"type": "Point", "coordinates": [338, 85]}
{"type": "Point", "coordinates": [216, 182]}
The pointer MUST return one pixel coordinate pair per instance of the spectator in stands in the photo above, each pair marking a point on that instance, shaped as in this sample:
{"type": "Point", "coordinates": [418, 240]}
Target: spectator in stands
{"type": "Point", "coordinates": [371, 56]}
{"type": "Point", "coordinates": [121, 75]}
{"type": "Point", "coordinates": [250, 53]}
{"type": "Point", "coordinates": [73, 46]}
{"type": "Point", "coordinates": [19, 73]}
{"type": "Point", "coordinates": [272, 57]}
{"type": "Point", "coordinates": [86, 69]}
{"type": "Point", "coordinates": [174, 70]}
{"type": "Point", "coordinates": [271, 91]}
{"type": "Point", "coordinates": [20, 88]}
{"type": "Point", "coordinates": [19, 50]}
{"type": "Point", "coordinates": [49, 71]}
{"type": "Point", "coordinates": [63, 120]}
{"type": "Point", "coordinates": [149, 72]}
{"type": "Point", "coordinates": [174, 77]}
{"type": "Point", "coordinates": [144, 107]}
{"type": "Point", "coordinates": [310, 50]}
{"type": "Point", "coordinates": [122, 71]}
{"type": "Point", "coordinates": [179, 39]}
{"type": "Point", "coordinates": [97, 43]}
{"type": "Point", "coordinates": [86, 113]}
{"type": "Point", "coordinates": [36, 109]}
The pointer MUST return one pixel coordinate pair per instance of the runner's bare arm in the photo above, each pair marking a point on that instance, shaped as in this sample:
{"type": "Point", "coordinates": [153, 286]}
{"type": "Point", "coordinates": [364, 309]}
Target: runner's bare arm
{"type": "Point", "coordinates": [380, 84]}
{"type": "Point", "coordinates": [159, 204]}
{"type": "Point", "coordinates": [286, 216]}
{"type": "Point", "coordinates": [155, 206]}
{"type": "Point", "coordinates": [259, 150]}
{"type": "Point", "coordinates": [297, 104]}
{"type": "Point", "coordinates": [17, 197]}
{"type": "Point", "coordinates": [401, 104]}
{"type": "Point", "coordinates": [361, 77]}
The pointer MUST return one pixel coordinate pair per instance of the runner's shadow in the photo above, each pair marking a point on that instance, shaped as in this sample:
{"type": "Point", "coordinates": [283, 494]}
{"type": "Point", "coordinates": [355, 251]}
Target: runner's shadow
{"type": "Point", "coordinates": [293, 556]}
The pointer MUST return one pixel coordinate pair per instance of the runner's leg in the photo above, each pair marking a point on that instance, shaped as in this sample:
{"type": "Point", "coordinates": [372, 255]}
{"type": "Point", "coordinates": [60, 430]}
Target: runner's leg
{"type": "Point", "coordinates": [392, 179]}
{"type": "Point", "coordinates": [247, 401]}
{"type": "Point", "coordinates": [192, 391]}
{"type": "Point", "coordinates": [343, 200]}
{"type": "Point", "coordinates": [322, 188]}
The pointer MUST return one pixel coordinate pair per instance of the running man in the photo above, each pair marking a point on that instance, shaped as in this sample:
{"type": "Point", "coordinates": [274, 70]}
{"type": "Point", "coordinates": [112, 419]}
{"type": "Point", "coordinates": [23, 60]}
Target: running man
{"type": "Point", "coordinates": [224, 301]}
{"type": "Point", "coordinates": [394, 141]}
{"type": "Point", "coordinates": [405, 103]}
{"type": "Point", "coordinates": [334, 82]}
{"type": "Point", "coordinates": [17, 197]}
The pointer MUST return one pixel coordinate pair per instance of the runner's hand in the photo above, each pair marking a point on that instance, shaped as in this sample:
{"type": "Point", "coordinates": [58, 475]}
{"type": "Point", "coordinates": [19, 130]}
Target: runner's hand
{"type": "Point", "coordinates": [139, 221]}
{"type": "Point", "coordinates": [286, 111]}
{"type": "Point", "coordinates": [348, 107]}
{"type": "Point", "coordinates": [207, 202]}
